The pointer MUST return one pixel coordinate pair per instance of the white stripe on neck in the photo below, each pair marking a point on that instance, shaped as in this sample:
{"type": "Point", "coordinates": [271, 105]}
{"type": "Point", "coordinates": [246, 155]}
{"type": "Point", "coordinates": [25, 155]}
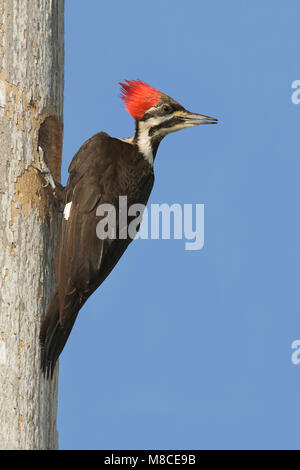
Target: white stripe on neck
{"type": "Point", "coordinates": [144, 140]}
{"type": "Point", "coordinates": [144, 145]}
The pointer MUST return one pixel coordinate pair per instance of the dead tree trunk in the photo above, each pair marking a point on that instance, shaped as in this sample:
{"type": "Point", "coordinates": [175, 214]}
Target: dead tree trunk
{"type": "Point", "coordinates": [31, 107]}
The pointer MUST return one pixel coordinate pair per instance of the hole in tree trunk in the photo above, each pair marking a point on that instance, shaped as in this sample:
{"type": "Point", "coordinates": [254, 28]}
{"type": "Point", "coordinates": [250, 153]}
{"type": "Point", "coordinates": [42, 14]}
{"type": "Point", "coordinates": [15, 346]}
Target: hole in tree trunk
{"type": "Point", "coordinates": [50, 140]}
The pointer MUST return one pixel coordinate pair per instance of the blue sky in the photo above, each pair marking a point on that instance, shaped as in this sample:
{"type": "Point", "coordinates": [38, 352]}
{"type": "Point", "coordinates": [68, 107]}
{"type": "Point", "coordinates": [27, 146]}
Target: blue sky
{"type": "Point", "coordinates": [192, 349]}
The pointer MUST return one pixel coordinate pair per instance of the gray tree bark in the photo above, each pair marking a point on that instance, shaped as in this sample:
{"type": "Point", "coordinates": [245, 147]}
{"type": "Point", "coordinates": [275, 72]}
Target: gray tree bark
{"type": "Point", "coordinates": [31, 108]}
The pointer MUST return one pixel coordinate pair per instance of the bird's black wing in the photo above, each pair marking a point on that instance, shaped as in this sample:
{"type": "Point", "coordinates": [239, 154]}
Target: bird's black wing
{"type": "Point", "coordinates": [83, 260]}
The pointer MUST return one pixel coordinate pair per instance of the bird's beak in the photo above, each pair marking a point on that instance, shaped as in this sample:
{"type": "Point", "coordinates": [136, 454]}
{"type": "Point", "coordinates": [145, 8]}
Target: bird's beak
{"type": "Point", "coordinates": [192, 119]}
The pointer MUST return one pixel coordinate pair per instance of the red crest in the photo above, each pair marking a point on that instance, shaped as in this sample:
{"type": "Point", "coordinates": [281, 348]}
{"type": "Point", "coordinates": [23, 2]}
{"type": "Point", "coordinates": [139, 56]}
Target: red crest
{"type": "Point", "coordinates": [138, 97]}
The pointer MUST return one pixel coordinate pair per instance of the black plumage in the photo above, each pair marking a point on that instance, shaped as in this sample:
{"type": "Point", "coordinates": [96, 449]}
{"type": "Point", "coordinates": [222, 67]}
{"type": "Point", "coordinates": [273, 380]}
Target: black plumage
{"type": "Point", "coordinates": [103, 169]}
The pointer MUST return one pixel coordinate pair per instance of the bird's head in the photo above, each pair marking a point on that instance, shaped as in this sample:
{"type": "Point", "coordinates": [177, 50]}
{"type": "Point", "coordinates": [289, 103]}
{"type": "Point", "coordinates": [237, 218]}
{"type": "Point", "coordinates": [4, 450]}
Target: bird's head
{"type": "Point", "coordinates": [156, 113]}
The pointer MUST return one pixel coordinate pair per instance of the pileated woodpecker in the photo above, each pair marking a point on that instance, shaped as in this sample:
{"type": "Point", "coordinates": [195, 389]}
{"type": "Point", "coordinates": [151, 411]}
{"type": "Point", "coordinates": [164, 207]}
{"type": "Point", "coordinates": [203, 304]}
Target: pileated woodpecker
{"type": "Point", "coordinates": [103, 169]}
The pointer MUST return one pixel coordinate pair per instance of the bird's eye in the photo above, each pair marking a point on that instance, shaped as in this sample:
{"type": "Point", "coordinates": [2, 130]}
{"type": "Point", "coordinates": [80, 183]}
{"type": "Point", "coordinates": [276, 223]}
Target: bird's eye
{"type": "Point", "coordinates": [166, 108]}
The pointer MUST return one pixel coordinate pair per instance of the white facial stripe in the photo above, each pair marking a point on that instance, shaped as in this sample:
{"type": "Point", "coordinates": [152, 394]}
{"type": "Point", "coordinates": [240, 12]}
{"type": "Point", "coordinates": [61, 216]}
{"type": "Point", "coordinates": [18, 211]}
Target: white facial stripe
{"type": "Point", "coordinates": [151, 109]}
{"type": "Point", "coordinates": [155, 121]}
{"type": "Point", "coordinates": [144, 140]}
{"type": "Point", "coordinates": [67, 210]}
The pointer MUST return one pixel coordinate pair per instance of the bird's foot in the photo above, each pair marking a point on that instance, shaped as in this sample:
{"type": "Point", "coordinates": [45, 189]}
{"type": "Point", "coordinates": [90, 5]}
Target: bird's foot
{"type": "Point", "coordinates": [57, 188]}
{"type": "Point", "coordinates": [45, 171]}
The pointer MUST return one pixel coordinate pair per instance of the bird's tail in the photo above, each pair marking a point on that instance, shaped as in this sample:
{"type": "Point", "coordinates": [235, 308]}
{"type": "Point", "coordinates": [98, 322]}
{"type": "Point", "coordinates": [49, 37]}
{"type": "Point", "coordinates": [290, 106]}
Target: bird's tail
{"type": "Point", "coordinates": [53, 337]}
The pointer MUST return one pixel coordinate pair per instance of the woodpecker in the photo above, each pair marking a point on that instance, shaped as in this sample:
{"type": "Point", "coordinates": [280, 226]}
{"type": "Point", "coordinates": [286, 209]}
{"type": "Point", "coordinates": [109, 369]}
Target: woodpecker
{"type": "Point", "coordinates": [103, 169]}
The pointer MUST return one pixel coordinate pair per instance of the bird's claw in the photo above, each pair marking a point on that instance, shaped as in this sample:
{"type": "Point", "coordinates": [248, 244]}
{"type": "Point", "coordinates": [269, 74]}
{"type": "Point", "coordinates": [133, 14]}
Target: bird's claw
{"type": "Point", "coordinates": [44, 170]}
